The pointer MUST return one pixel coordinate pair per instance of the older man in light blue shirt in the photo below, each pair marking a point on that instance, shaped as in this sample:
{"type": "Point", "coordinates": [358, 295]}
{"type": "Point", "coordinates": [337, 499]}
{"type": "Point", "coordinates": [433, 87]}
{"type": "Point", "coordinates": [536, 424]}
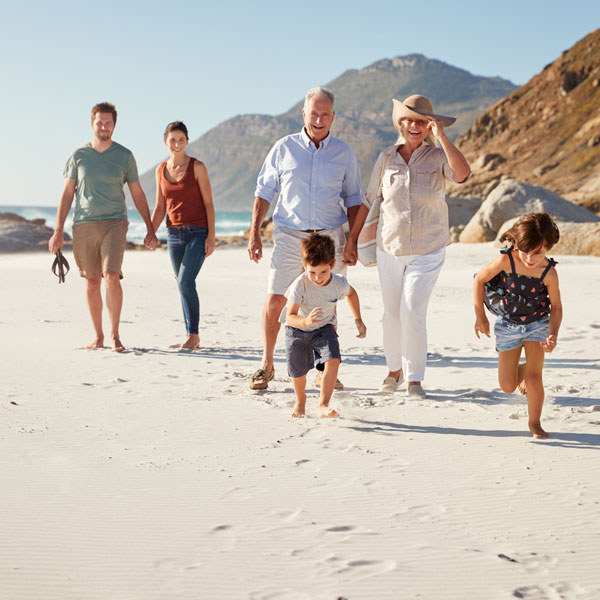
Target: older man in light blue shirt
{"type": "Point", "coordinates": [314, 174]}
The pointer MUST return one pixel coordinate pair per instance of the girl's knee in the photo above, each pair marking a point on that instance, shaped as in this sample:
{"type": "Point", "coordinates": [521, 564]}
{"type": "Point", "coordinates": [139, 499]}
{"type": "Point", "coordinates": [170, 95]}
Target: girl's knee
{"type": "Point", "coordinates": [508, 385]}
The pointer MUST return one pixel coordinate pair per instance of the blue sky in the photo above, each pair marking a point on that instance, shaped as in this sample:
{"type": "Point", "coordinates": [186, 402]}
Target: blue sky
{"type": "Point", "coordinates": [206, 62]}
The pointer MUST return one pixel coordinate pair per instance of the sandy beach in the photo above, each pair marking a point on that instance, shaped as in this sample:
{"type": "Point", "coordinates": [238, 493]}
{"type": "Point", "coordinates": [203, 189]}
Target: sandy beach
{"type": "Point", "coordinates": [160, 475]}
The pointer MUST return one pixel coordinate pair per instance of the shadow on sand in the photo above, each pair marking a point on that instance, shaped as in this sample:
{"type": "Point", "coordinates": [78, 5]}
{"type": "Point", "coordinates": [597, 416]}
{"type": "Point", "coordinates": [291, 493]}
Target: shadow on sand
{"type": "Point", "coordinates": [567, 440]}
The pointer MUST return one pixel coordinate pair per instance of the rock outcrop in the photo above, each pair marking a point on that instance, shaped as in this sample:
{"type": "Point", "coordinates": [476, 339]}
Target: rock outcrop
{"type": "Point", "coordinates": [546, 133]}
{"type": "Point", "coordinates": [18, 234]}
{"type": "Point", "coordinates": [511, 198]}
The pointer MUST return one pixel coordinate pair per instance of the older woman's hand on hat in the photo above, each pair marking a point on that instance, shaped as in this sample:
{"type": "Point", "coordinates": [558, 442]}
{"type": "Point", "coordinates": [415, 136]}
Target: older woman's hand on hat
{"type": "Point", "coordinates": [436, 127]}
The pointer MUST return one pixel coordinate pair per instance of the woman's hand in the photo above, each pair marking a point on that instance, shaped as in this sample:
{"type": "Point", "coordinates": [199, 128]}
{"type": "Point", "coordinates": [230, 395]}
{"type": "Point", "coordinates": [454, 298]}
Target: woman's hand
{"type": "Point", "coordinates": [209, 245]}
{"type": "Point", "coordinates": [436, 127]}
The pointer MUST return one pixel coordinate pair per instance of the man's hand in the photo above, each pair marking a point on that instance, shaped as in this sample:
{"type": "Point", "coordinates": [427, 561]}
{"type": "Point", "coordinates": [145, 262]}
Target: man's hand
{"type": "Point", "coordinates": [255, 248]}
{"type": "Point", "coordinates": [361, 328]}
{"type": "Point", "coordinates": [150, 241]}
{"type": "Point", "coordinates": [313, 317]}
{"type": "Point", "coordinates": [350, 253]}
{"type": "Point", "coordinates": [482, 325]}
{"type": "Point", "coordinates": [56, 242]}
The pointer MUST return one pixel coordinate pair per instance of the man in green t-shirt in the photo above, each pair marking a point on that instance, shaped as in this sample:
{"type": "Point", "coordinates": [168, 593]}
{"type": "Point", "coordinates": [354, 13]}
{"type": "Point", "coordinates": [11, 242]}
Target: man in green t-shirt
{"type": "Point", "coordinates": [95, 175]}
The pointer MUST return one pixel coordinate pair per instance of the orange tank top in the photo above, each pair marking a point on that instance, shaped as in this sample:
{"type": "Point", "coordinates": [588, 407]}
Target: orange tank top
{"type": "Point", "coordinates": [183, 198]}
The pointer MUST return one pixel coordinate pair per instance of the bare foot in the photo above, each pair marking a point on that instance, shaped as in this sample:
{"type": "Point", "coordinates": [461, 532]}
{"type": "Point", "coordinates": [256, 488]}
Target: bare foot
{"type": "Point", "coordinates": [521, 379]}
{"type": "Point", "coordinates": [117, 346]}
{"type": "Point", "coordinates": [97, 344]}
{"type": "Point", "coordinates": [191, 343]}
{"type": "Point", "coordinates": [326, 412]}
{"type": "Point", "coordinates": [299, 408]}
{"type": "Point", "coordinates": [537, 431]}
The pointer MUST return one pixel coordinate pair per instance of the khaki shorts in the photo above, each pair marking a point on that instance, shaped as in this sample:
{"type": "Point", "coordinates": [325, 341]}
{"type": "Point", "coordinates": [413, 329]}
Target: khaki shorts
{"type": "Point", "coordinates": [98, 247]}
{"type": "Point", "coordinates": [286, 260]}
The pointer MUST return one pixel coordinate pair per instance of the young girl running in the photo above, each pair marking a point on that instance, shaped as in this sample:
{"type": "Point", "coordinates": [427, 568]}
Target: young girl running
{"type": "Point", "coordinates": [521, 288]}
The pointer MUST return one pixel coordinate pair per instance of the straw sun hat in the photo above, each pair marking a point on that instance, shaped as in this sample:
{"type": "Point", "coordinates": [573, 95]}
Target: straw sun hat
{"type": "Point", "coordinates": [416, 107]}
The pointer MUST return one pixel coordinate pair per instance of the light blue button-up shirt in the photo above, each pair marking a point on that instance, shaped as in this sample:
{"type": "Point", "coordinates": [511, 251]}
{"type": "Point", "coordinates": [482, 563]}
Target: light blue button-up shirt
{"type": "Point", "coordinates": [311, 181]}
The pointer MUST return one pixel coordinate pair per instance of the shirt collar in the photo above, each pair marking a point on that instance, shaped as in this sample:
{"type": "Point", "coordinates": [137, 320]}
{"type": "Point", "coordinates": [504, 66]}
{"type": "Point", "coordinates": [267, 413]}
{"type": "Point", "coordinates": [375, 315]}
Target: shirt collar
{"type": "Point", "coordinates": [310, 144]}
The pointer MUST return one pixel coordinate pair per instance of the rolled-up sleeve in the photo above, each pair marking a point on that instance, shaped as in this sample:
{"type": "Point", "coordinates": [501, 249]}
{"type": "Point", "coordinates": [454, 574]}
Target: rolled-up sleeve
{"type": "Point", "coordinates": [351, 185]}
{"type": "Point", "coordinates": [267, 184]}
{"type": "Point", "coordinates": [374, 181]}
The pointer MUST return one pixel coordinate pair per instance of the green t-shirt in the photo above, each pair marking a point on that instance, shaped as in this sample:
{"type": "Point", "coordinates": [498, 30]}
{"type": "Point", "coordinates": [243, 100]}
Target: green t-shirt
{"type": "Point", "coordinates": [100, 179]}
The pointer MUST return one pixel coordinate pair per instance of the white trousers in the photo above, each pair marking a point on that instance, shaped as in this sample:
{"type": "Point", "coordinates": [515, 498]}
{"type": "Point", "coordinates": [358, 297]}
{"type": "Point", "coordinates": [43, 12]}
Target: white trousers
{"type": "Point", "coordinates": [406, 286]}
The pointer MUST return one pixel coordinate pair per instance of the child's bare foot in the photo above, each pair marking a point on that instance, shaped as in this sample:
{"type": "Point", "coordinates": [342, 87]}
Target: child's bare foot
{"type": "Point", "coordinates": [521, 379]}
{"type": "Point", "coordinates": [97, 344]}
{"type": "Point", "coordinates": [191, 343]}
{"type": "Point", "coordinates": [298, 413]}
{"type": "Point", "coordinates": [325, 412]}
{"type": "Point", "coordinates": [537, 431]}
{"type": "Point", "coordinates": [117, 346]}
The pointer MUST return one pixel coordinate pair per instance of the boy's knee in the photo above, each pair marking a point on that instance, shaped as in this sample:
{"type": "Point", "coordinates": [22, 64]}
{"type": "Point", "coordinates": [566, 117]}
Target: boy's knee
{"type": "Point", "coordinates": [332, 363]}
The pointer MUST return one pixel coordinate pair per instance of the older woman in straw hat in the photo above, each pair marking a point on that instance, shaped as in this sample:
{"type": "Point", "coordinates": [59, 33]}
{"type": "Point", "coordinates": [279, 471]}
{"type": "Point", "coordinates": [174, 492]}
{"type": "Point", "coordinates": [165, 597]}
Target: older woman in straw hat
{"type": "Point", "coordinates": [412, 232]}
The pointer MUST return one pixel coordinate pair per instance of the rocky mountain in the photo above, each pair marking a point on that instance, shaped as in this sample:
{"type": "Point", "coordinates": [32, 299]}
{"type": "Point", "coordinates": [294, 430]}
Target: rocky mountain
{"type": "Point", "coordinates": [234, 150]}
{"type": "Point", "coordinates": [545, 133]}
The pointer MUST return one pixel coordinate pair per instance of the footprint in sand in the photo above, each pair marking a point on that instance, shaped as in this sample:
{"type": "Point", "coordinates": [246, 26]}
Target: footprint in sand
{"type": "Point", "coordinates": [552, 591]}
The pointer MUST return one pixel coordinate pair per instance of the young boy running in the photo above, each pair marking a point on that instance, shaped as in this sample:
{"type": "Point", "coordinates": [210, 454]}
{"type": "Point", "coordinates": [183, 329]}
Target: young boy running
{"type": "Point", "coordinates": [310, 335]}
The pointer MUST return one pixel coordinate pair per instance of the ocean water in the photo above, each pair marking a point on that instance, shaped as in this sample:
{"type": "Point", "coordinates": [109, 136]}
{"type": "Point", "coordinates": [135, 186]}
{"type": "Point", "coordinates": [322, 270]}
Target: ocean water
{"type": "Point", "coordinates": [227, 223]}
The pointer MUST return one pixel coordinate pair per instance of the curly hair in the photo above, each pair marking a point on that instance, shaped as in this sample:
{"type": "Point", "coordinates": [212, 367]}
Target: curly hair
{"type": "Point", "coordinates": [532, 231]}
{"type": "Point", "coordinates": [317, 250]}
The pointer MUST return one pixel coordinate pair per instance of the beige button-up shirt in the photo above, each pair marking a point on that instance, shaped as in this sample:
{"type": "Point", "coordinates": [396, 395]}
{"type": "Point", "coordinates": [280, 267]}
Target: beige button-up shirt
{"type": "Point", "coordinates": [413, 218]}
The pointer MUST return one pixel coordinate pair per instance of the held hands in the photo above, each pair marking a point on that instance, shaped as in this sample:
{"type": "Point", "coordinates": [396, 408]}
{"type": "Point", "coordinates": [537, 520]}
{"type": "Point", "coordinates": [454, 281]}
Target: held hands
{"type": "Point", "coordinates": [482, 325]}
{"type": "Point", "coordinates": [361, 328]}
{"type": "Point", "coordinates": [350, 253]}
{"type": "Point", "coordinates": [150, 241]}
{"type": "Point", "coordinates": [255, 248]}
{"type": "Point", "coordinates": [313, 317]}
{"type": "Point", "coordinates": [549, 344]}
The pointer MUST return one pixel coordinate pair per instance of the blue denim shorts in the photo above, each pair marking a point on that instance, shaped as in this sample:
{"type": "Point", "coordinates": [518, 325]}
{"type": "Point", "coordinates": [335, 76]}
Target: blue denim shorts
{"type": "Point", "coordinates": [510, 335]}
{"type": "Point", "coordinates": [305, 349]}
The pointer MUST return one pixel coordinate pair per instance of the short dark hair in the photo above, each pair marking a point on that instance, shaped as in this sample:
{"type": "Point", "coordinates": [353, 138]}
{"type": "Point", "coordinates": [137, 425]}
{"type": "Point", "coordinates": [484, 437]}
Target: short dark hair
{"type": "Point", "coordinates": [317, 250]}
{"type": "Point", "coordinates": [532, 231]}
{"type": "Point", "coordinates": [104, 107]}
{"type": "Point", "coordinates": [176, 126]}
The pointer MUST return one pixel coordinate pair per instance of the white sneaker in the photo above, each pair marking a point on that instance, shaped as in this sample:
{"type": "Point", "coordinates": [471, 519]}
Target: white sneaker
{"type": "Point", "coordinates": [416, 391]}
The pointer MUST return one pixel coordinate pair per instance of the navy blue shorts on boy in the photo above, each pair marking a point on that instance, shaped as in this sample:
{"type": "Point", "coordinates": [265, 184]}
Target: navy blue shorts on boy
{"type": "Point", "coordinates": [305, 349]}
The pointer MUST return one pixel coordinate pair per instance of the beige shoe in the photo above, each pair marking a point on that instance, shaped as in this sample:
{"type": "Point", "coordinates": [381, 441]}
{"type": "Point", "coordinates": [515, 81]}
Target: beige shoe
{"type": "Point", "coordinates": [390, 384]}
{"type": "Point", "coordinates": [416, 391]}
{"type": "Point", "coordinates": [338, 384]}
{"type": "Point", "coordinates": [260, 379]}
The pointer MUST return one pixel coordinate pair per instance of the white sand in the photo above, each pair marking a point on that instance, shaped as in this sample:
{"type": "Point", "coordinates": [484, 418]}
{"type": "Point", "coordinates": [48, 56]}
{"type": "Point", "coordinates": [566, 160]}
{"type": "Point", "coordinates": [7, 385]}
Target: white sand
{"type": "Point", "coordinates": [160, 475]}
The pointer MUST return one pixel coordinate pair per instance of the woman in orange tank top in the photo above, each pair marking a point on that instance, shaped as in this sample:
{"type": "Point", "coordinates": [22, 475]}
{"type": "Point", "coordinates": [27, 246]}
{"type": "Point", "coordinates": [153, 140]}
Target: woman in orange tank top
{"type": "Point", "coordinates": [183, 193]}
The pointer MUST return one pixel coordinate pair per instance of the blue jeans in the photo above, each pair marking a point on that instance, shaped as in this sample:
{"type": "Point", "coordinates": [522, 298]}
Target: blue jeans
{"type": "Point", "coordinates": [186, 249]}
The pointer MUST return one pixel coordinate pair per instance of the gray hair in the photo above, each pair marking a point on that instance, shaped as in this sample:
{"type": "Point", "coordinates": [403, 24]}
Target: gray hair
{"type": "Point", "coordinates": [318, 92]}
